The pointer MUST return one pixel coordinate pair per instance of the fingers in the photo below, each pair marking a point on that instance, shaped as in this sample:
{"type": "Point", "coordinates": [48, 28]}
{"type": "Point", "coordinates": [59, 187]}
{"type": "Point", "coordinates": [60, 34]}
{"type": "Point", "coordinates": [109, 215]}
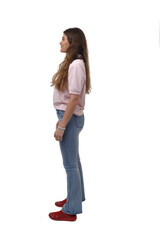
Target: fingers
{"type": "Point", "coordinates": [55, 134]}
{"type": "Point", "coordinates": [58, 136]}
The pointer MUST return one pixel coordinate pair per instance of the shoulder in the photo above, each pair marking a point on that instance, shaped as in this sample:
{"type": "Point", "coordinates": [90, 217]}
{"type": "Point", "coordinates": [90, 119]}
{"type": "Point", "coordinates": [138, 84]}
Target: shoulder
{"type": "Point", "coordinates": [77, 64]}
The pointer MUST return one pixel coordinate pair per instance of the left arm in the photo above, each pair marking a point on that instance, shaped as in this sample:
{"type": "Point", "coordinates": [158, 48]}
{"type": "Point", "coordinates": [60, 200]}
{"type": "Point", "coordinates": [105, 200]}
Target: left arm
{"type": "Point", "coordinates": [67, 115]}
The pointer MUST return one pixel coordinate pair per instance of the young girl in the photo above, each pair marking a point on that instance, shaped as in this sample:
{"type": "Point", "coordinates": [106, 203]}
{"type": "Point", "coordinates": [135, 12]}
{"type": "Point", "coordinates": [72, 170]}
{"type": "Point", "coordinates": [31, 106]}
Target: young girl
{"type": "Point", "coordinates": [71, 83]}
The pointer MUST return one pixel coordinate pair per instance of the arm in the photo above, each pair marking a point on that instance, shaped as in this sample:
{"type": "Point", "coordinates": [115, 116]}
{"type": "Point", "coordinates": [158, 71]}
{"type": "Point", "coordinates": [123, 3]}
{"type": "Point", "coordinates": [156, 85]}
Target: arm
{"type": "Point", "coordinates": [67, 115]}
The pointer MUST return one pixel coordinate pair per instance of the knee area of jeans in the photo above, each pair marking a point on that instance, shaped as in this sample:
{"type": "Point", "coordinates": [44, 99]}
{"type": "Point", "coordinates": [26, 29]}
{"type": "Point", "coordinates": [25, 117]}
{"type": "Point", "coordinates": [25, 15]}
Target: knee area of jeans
{"type": "Point", "coordinates": [71, 168]}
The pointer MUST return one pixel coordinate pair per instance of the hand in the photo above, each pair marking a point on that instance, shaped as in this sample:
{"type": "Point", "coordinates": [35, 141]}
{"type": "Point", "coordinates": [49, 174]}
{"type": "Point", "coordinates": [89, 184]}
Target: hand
{"type": "Point", "coordinates": [59, 134]}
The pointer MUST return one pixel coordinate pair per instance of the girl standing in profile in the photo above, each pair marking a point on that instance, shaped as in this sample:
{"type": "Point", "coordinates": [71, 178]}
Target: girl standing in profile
{"type": "Point", "coordinates": [71, 83]}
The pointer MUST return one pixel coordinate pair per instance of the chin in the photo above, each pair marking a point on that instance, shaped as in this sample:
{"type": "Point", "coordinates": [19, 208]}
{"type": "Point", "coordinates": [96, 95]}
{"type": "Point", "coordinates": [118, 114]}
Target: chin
{"type": "Point", "coordinates": [62, 51]}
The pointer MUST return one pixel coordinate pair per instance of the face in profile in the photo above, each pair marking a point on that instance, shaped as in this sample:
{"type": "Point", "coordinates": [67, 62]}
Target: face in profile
{"type": "Point", "coordinates": [64, 44]}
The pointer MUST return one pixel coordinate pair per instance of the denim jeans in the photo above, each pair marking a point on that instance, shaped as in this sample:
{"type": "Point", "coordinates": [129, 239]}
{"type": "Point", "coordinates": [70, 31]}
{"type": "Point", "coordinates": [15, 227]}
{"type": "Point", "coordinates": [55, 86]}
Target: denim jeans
{"type": "Point", "coordinates": [71, 161]}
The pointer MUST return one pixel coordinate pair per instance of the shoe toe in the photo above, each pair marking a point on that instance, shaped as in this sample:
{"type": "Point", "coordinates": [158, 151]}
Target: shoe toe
{"type": "Point", "coordinates": [51, 215]}
{"type": "Point", "coordinates": [60, 216]}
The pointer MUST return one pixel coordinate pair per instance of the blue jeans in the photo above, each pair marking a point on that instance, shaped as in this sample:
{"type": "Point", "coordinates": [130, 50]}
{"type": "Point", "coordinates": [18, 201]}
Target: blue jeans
{"type": "Point", "coordinates": [70, 153]}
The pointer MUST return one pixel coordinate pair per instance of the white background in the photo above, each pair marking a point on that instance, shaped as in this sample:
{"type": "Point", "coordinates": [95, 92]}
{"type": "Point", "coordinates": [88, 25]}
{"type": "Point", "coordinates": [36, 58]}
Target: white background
{"type": "Point", "coordinates": [120, 143]}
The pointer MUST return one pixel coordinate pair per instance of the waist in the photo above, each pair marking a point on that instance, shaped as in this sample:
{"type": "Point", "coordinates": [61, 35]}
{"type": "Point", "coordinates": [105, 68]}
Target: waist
{"type": "Point", "coordinates": [59, 111]}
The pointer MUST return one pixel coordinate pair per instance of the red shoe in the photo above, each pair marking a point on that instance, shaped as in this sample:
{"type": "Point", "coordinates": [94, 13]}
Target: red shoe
{"type": "Point", "coordinates": [61, 216]}
{"type": "Point", "coordinates": [60, 203]}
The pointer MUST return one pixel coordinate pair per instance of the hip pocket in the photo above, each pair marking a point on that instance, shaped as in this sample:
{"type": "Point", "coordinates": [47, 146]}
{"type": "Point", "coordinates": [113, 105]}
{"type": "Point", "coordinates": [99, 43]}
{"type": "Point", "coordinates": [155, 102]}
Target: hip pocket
{"type": "Point", "coordinates": [79, 120]}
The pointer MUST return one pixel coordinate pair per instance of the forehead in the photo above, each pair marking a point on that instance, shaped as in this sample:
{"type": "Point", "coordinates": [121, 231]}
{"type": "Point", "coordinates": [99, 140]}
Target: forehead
{"type": "Point", "coordinates": [64, 36]}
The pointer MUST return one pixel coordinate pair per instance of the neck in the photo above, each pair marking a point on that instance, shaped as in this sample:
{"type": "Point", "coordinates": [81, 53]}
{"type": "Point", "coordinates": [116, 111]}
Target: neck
{"type": "Point", "coordinates": [79, 56]}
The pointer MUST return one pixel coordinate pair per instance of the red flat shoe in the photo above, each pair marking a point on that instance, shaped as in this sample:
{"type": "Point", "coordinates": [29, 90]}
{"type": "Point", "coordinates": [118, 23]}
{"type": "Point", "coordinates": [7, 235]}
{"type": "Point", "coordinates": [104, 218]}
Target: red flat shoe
{"type": "Point", "coordinates": [61, 203]}
{"type": "Point", "coordinates": [61, 216]}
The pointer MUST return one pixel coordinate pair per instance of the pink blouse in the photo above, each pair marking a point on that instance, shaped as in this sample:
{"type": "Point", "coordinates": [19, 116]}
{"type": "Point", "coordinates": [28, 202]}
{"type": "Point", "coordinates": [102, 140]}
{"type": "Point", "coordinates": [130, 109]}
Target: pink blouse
{"type": "Point", "coordinates": [76, 85]}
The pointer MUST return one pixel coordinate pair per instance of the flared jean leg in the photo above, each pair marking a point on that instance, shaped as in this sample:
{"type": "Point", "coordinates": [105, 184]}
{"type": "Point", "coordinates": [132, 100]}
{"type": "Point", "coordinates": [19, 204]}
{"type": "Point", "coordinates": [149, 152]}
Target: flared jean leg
{"type": "Point", "coordinates": [74, 196]}
{"type": "Point", "coordinates": [81, 177]}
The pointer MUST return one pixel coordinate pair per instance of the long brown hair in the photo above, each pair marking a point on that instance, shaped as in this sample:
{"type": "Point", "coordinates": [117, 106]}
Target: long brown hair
{"type": "Point", "coordinates": [77, 49]}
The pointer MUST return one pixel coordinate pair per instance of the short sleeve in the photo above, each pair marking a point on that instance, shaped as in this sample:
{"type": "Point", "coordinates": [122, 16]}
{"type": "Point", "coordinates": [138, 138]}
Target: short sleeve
{"type": "Point", "coordinates": [76, 77]}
